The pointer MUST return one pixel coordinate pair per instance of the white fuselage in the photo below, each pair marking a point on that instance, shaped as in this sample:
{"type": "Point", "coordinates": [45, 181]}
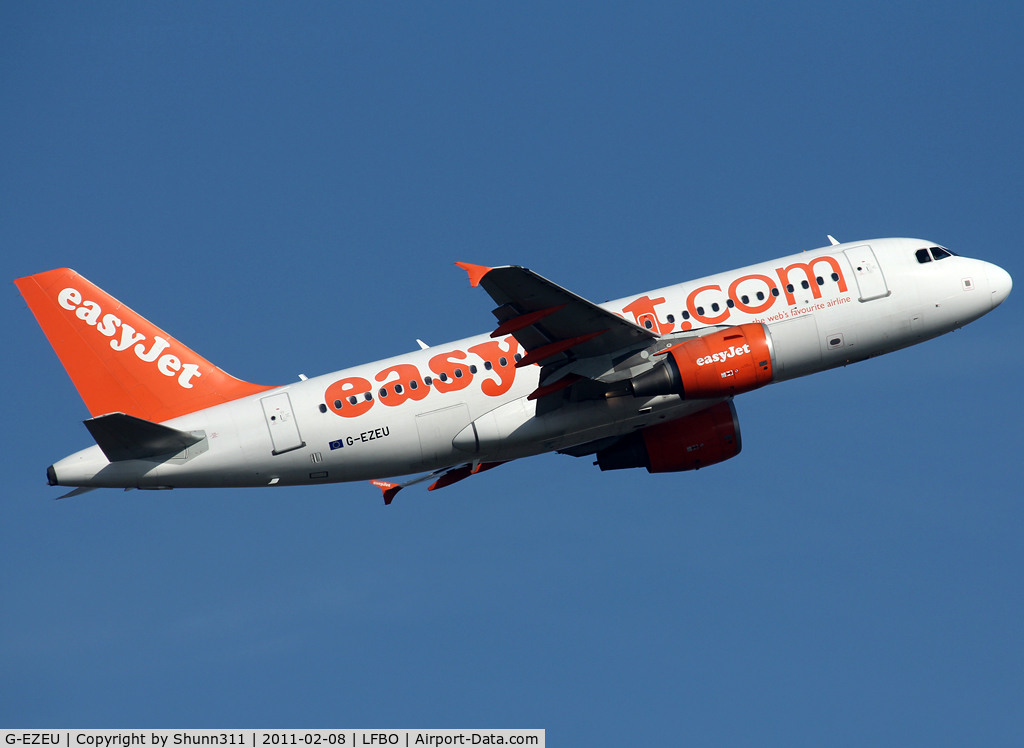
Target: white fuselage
{"type": "Point", "coordinates": [874, 297]}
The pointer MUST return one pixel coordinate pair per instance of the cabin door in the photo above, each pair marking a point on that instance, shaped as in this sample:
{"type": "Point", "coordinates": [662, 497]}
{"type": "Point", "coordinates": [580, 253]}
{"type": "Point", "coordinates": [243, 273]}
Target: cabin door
{"type": "Point", "coordinates": [867, 271]}
{"type": "Point", "coordinates": [284, 429]}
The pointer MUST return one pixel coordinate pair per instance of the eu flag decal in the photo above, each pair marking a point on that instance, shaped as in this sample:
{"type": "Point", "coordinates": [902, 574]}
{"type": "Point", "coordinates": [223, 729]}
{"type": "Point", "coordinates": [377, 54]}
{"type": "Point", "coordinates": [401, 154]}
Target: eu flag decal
{"type": "Point", "coordinates": [337, 444]}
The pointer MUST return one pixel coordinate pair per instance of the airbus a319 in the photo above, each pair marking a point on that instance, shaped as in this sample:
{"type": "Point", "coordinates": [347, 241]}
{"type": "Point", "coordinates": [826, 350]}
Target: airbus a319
{"type": "Point", "coordinates": [646, 381]}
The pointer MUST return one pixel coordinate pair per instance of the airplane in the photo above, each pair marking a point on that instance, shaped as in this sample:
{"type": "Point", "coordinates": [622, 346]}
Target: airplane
{"type": "Point", "coordinates": [646, 381]}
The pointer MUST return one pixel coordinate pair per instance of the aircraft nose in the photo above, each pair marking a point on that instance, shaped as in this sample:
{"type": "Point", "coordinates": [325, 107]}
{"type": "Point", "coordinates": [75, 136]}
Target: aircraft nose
{"type": "Point", "coordinates": [1000, 282]}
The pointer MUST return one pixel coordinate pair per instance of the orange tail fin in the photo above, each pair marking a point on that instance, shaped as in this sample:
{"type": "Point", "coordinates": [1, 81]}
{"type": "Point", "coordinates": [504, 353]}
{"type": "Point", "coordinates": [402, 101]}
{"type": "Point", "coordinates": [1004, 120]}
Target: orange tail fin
{"type": "Point", "coordinates": [119, 361]}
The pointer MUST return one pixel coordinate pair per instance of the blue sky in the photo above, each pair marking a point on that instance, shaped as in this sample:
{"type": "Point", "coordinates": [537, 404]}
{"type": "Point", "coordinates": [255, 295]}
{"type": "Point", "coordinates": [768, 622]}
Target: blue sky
{"type": "Point", "coordinates": [284, 189]}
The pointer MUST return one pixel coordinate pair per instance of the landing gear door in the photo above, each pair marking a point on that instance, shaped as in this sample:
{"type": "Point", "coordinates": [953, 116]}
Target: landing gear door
{"type": "Point", "coordinates": [284, 430]}
{"type": "Point", "coordinates": [867, 271]}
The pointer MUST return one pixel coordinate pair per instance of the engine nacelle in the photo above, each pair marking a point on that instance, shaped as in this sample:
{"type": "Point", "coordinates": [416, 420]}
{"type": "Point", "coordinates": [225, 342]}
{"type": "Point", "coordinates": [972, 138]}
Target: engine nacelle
{"type": "Point", "coordinates": [687, 443]}
{"type": "Point", "coordinates": [722, 364]}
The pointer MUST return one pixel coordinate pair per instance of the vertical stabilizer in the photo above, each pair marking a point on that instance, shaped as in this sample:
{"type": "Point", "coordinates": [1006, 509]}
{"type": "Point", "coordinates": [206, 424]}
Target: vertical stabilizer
{"type": "Point", "coordinates": [119, 361]}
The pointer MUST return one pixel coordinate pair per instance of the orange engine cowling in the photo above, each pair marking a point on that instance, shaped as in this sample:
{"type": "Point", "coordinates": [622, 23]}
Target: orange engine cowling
{"type": "Point", "coordinates": [688, 443]}
{"type": "Point", "coordinates": [721, 364]}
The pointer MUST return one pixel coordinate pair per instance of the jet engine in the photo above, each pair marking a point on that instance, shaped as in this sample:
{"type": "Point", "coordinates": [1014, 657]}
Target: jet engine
{"type": "Point", "coordinates": [722, 364]}
{"type": "Point", "coordinates": [688, 443]}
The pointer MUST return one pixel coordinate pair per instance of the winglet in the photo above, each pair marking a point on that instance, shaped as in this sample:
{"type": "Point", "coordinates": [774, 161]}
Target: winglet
{"type": "Point", "coordinates": [476, 272]}
{"type": "Point", "coordinates": [833, 240]}
{"type": "Point", "coordinates": [388, 489]}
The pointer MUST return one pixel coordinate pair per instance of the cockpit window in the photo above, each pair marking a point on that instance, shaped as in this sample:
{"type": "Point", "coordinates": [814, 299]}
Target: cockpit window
{"type": "Point", "coordinates": [922, 256]}
{"type": "Point", "coordinates": [941, 254]}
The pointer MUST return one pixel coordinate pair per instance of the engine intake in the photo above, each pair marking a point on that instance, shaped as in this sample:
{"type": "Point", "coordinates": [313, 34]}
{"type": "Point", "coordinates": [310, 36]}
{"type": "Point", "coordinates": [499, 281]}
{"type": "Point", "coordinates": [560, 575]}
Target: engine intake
{"type": "Point", "coordinates": [722, 364]}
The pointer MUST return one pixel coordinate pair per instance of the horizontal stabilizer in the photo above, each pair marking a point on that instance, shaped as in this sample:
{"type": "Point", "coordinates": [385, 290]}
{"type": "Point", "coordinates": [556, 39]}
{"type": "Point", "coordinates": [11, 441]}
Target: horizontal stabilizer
{"type": "Point", "coordinates": [77, 492]}
{"type": "Point", "coordinates": [124, 437]}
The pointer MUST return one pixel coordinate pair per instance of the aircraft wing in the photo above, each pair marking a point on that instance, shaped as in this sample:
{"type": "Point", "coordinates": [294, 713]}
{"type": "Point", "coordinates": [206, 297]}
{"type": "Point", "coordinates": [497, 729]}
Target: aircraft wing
{"type": "Point", "coordinates": [445, 477]}
{"type": "Point", "coordinates": [553, 324]}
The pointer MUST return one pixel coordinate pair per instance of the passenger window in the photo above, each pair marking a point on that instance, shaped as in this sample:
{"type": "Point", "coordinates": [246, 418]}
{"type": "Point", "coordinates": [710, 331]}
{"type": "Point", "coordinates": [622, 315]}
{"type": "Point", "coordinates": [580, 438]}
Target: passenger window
{"type": "Point", "coordinates": [443, 376]}
{"type": "Point", "coordinates": [414, 385]}
{"type": "Point", "coordinates": [700, 311]}
{"type": "Point", "coordinates": [648, 324]}
{"type": "Point", "coordinates": [488, 365]}
{"type": "Point", "coordinates": [730, 303]}
{"type": "Point", "coordinates": [671, 319]}
{"type": "Point", "coordinates": [805, 284]}
{"type": "Point", "coordinates": [686, 314]}
{"type": "Point", "coordinates": [789, 287]}
{"type": "Point", "coordinates": [503, 361]}
{"type": "Point", "coordinates": [398, 389]}
{"type": "Point", "coordinates": [368, 396]}
{"type": "Point", "coordinates": [472, 368]}
{"type": "Point", "coordinates": [745, 299]}
{"type": "Point", "coordinates": [518, 357]}
{"type": "Point", "coordinates": [939, 253]}
{"type": "Point", "coordinates": [428, 381]}
{"type": "Point", "coordinates": [353, 399]}
{"type": "Point", "coordinates": [775, 292]}
{"type": "Point", "coordinates": [820, 280]}
{"type": "Point", "coordinates": [760, 295]}
{"type": "Point", "coordinates": [383, 392]}
{"type": "Point", "coordinates": [835, 276]}
{"type": "Point", "coordinates": [714, 307]}
{"type": "Point", "coordinates": [922, 256]}
{"type": "Point", "coordinates": [458, 373]}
